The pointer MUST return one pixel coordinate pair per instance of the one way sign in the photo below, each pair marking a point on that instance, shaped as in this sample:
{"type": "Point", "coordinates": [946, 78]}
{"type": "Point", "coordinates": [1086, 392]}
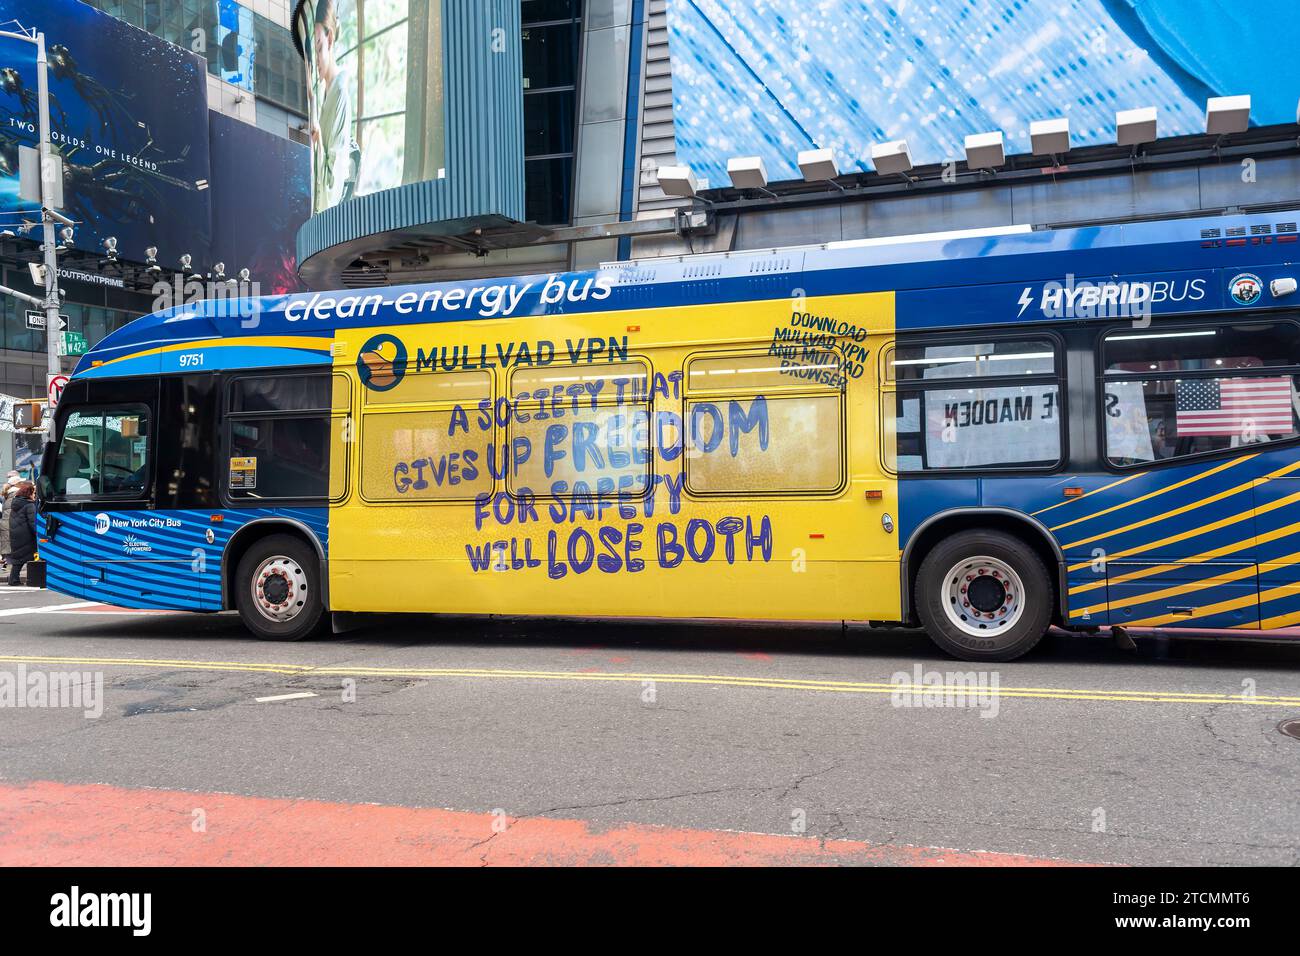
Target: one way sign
{"type": "Point", "coordinates": [36, 321]}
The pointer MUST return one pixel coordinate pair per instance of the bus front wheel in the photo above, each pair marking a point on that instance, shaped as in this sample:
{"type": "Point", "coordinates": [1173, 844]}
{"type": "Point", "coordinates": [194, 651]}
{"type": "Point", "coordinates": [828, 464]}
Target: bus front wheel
{"type": "Point", "coordinates": [984, 596]}
{"type": "Point", "coordinates": [278, 589]}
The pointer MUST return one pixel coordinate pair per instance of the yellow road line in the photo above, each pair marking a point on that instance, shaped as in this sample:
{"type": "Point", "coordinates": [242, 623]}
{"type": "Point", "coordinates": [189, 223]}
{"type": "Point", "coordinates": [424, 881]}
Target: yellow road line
{"type": "Point", "coordinates": [725, 680]}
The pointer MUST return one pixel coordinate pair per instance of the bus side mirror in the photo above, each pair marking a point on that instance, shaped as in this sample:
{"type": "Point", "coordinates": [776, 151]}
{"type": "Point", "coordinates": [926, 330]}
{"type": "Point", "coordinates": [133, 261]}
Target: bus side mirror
{"type": "Point", "coordinates": [44, 487]}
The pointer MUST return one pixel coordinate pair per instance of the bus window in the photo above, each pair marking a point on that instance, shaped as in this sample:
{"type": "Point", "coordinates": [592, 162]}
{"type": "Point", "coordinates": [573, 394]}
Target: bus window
{"type": "Point", "coordinates": [618, 383]}
{"type": "Point", "coordinates": [1256, 345]}
{"type": "Point", "coordinates": [996, 359]}
{"type": "Point", "coordinates": [755, 423]}
{"type": "Point", "coordinates": [464, 388]}
{"type": "Point", "coordinates": [278, 437]}
{"type": "Point", "coordinates": [436, 451]}
{"type": "Point", "coordinates": [765, 444]}
{"type": "Point", "coordinates": [424, 456]}
{"type": "Point", "coordinates": [342, 432]}
{"type": "Point", "coordinates": [817, 367]}
{"type": "Point", "coordinates": [576, 426]}
{"type": "Point", "coordinates": [607, 447]}
{"type": "Point", "coordinates": [1171, 394]}
{"type": "Point", "coordinates": [289, 457]}
{"type": "Point", "coordinates": [103, 452]}
{"type": "Point", "coordinates": [280, 393]}
{"type": "Point", "coordinates": [972, 405]}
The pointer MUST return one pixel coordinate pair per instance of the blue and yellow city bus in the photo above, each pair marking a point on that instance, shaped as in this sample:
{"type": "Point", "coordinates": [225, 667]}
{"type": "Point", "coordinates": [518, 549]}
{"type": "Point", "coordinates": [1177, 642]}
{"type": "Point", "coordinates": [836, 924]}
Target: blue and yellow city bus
{"type": "Point", "coordinates": [985, 433]}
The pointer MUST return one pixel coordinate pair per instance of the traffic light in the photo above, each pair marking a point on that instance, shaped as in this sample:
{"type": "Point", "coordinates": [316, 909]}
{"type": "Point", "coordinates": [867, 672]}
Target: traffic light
{"type": "Point", "coordinates": [29, 413]}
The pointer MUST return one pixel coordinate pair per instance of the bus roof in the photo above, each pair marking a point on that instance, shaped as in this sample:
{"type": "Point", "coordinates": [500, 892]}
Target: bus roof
{"type": "Point", "coordinates": [945, 280]}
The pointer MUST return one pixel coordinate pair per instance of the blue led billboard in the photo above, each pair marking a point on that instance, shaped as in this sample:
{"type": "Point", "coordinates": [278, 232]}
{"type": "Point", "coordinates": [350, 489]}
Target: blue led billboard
{"type": "Point", "coordinates": [255, 219]}
{"type": "Point", "coordinates": [129, 116]}
{"type": "Point", "coordinates": [773, 77]}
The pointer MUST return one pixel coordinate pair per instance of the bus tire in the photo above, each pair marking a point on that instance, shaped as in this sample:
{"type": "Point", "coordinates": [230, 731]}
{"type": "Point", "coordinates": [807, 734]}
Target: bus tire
{"type": "Point", "coordinates": [984, 596]}
{"type": "Point", "coordinates": [278, 589]}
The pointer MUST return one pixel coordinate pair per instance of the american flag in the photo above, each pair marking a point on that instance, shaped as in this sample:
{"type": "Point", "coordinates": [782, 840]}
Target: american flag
{"type": "Point", "coordinates": [1234, 406]}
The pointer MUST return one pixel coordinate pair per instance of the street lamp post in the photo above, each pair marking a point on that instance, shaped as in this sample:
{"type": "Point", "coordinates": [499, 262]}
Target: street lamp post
{"type": "Point", "coordinates": [49, 216]}
{"type": "Point", "coordinates": [47, 207]}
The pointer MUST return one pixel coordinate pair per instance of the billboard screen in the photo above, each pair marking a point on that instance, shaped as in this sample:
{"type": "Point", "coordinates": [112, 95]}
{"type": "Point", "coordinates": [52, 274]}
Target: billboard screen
{"type": "Point", "coordinates": [129, 116]}
{"type": "Point", "coordinates": [374, 94]}
{"type": "Point", "coordinates": [773, 77]}
{"type": "Point", "coordinates": [255, 219]}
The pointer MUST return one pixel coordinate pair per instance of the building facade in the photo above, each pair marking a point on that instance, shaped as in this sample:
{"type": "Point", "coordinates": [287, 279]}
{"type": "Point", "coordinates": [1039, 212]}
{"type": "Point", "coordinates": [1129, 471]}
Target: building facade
{"type": "Point", "coordinates": [615, 90]}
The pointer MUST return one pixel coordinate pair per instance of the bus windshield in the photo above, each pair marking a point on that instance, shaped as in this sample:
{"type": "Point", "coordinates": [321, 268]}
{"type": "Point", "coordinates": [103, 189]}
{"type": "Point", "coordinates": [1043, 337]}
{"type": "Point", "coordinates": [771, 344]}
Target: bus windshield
{"type": "Point", "coordinates": [103, 452]}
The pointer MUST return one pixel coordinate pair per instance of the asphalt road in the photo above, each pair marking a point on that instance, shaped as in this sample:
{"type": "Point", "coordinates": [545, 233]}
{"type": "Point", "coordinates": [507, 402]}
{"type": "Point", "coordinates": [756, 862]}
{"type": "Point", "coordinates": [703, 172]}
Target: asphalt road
{"type": "Point", "coordinates": [1167, 755]}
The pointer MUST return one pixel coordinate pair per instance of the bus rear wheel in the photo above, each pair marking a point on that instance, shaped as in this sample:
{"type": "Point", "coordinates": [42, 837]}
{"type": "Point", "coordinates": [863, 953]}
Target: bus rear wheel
{"type": "Point", "coordinates": [278, 589]}
{"type": "Point", "coordinates": [984, 596]}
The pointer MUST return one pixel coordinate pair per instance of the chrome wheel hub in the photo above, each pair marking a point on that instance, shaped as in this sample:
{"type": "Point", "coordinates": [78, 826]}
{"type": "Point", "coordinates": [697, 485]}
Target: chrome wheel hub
{"type": "Point", "coordinates": [983, 596]}
{"type": "Point", "coordinates": [279, 589]}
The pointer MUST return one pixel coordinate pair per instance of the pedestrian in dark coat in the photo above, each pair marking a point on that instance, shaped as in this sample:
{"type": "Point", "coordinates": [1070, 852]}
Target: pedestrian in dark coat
{"type": "Point", "coordinates": [22, 529]}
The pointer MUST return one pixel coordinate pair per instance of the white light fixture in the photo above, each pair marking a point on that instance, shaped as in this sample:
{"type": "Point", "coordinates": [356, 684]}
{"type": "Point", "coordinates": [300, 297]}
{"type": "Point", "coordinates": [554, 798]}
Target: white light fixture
{"type": "Point", "coordinates": [1133, 127]}
{"type": "Point", "coordinates": [817, 165]}
{"type": "Point", "coordinates": [1050, 137]}
{"type": "Point", "coordinates": [984, 150]}
{"type": "Point", "coordinates": [1281, 287]}
{"type": "Point", "coordinates": [747, 172]}
{"type": "Point", "coordinates": [890, 158]}
{"type": "Point", "coordinates": [1227, 114]}
{"type": "Point", "coordinates": [1163, 335]}
{"type": "Point", "coordinates": [678, 181]}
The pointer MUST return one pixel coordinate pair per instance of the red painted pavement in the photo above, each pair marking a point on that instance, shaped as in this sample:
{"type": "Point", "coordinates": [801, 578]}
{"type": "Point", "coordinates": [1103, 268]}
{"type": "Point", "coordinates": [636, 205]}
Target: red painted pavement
{"type": "Point", "coordinates": [53, 824]}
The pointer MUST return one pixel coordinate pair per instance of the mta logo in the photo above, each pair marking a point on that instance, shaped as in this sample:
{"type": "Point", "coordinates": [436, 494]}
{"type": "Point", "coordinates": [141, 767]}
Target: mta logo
{"type": "Point", "coordinates": [381, 364]}
{"type": "Point", "coordinates": [1246, 289]}
{"type": "Point", "coordinates": [101, 523]}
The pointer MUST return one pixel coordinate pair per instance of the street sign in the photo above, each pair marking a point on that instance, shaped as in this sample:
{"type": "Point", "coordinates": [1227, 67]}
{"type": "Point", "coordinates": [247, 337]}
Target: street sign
{"type": "Point", "coordinates": [36, 321]}
{"type": "Point", "coordinates": [72, 343]}
{"type": "Point", "coordinates": [54, 388]}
